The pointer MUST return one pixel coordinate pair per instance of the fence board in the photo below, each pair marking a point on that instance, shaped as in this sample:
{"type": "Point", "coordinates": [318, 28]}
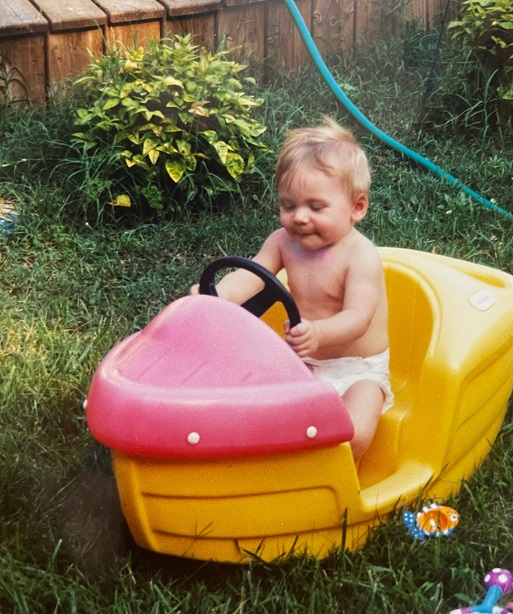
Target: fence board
{"type": "Point", "coordinates": [131, 11]}
{"type": "Point", "coordinates": [23, 62]}
{"type": "Point", "coordinates": [75, 29]}
{"type": "Point", "coordinates": [67, 53]}
{"type": "Point", "coordinates": [285, 47]}
{"type": "Point", "coordinates": [22, 52]}
{"type": "Point", "coordinates": [417, 11]}
{"type": "Point", "coordinates": [132, 22]}
{"type": "Point", "coordinates": [71, 14]}
{"type": "Point", "coordinates": [197, 17]}
{"type": "Point", "coordinates": [45, 41]}
{"type": "Point", "coordinates": [133, 34]}
{"type": "Point", "coordinates": [181, 8]}
{"type": "Point", "coordinates": [333, 25]}
{"type": "Point", "coordinates": [435, 11]}
{"type": "Point", "coordinates": [243, 26]}
{"type": "Point", "coordinates": [20, 17]}
{"type": "Point", "coordinates": [362, 19]}
{"type": "Point", "coordinates": [378, 19]}
{"type": "Point", "coordinates": [202, 27]}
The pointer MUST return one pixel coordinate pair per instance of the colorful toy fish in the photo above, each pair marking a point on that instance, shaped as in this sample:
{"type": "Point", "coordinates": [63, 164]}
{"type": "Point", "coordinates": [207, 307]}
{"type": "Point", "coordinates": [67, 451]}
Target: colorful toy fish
{"type": "Point", "coordinates": [433, 520]}
{"type": "Point", "coordinates": [8, 216]}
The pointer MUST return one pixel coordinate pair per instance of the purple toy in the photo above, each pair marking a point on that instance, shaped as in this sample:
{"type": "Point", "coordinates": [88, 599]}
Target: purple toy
{"type": "Point", "coordinates": [498, 582]}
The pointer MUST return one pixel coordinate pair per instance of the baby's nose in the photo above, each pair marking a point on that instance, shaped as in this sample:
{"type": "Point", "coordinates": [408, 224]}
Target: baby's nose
{"type": "Point", "coordinates": [301, 216]}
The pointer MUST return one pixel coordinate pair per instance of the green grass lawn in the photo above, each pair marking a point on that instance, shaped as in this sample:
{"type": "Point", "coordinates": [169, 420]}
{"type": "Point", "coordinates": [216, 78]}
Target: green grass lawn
{"type": "Point", "coordinates": [72, 285]}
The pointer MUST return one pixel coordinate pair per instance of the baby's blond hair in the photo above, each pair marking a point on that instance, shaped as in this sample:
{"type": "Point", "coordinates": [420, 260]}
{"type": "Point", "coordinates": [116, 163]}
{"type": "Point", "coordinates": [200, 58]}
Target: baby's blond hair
{"type": "Point", "coordinates": [328, 148]}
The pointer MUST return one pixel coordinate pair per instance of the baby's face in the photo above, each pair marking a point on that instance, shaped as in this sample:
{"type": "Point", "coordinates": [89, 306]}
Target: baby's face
{"type": "Point", "coordinates": [314, 208]}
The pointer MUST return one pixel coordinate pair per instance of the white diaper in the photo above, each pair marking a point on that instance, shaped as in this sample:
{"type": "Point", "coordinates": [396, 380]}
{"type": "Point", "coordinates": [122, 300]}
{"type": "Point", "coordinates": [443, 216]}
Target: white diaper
{"type": "Point", "coordinates": [344, 372]}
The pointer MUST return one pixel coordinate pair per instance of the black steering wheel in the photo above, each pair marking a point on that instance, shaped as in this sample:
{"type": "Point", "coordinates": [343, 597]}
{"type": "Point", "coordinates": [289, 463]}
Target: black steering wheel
{"type": "Point", "coordinates": [273, 292]}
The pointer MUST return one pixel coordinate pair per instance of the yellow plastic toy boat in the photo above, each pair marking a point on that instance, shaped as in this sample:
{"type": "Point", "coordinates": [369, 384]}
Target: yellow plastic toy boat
{"type": "Point", "coordinates": [226, 448]}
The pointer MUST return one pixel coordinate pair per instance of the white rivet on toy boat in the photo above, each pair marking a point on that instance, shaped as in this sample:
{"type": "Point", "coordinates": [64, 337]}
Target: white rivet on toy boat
{"type": "Point", "coordinates": [311, 432]}
{"type": "Point", "coordinates": [482, 300]}
{"type": "Point", "coordinates": [193, 438]}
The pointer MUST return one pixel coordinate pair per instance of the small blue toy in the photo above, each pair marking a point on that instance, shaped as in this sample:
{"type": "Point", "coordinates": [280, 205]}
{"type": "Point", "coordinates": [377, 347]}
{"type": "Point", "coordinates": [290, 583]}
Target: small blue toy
{"type": "Point", "coordinates": [433, 520]}
{"type": "Point", "coordinates": [498, 582]}
{"type": "Point", "coordinates": [8, 216]}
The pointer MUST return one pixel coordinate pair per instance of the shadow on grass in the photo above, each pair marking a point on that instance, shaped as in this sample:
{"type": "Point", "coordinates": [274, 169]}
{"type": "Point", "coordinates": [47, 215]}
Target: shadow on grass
{"type": "Point", "coordinates": [95, 537]}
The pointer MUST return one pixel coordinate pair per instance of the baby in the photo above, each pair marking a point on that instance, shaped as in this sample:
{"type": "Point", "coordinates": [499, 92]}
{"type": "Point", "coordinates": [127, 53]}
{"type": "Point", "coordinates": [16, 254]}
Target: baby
{"type": "Point", "coordinates": [334, 273]}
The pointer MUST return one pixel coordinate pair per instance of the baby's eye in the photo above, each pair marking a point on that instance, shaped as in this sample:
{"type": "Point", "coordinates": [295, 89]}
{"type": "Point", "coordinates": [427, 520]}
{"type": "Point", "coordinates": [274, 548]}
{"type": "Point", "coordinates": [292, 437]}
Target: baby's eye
{"type": "Point", "coordinates": [316, 207]}
{"type": "Point", "coordinates": [287, 206]}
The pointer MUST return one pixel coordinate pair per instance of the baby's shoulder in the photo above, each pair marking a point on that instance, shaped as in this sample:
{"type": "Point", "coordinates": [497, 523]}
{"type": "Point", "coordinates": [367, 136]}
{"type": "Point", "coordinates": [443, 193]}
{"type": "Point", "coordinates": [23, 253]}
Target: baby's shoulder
{"type": "Point", "coordinates": [363, 253]}
{"type": "Point", "coordinates": [277, 237]}
{"type": "Point", "coordinates": [361, 243]}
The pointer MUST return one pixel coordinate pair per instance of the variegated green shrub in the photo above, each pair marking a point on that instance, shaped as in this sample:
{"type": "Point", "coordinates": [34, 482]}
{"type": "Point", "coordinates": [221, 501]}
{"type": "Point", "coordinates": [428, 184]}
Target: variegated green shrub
{"type": "Point", "coordinates": [487, 27]}
{"type": "Point", "coordinates": [178, 115]}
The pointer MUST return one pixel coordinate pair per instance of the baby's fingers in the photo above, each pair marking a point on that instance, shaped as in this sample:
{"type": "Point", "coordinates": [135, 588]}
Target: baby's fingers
{"type": "Point", "coordinates": [300, 329]}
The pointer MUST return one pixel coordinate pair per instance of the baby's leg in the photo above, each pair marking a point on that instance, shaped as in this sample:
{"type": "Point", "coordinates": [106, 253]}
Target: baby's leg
{"type": "Point", "coordinates": [364, 402]}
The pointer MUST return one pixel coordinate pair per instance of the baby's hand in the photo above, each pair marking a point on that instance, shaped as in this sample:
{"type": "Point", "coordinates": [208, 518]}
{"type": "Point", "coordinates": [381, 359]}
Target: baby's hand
{"type": "Point", "coordinates": [194, 289]}
{"type": "Point", "coordinates": [303, 338]}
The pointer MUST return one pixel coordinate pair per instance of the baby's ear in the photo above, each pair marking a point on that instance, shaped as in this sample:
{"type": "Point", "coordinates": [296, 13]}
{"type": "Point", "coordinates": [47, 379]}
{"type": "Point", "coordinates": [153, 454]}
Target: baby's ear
{"type": "Point", "coordinates": [360, 206]}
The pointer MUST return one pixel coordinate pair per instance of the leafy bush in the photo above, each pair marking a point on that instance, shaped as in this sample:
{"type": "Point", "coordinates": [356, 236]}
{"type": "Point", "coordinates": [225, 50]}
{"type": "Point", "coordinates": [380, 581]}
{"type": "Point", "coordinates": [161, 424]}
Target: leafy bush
{"type": "Point", "coordinates": [487, 27]}
{"type": "Point", "coordinates": [177, 117]}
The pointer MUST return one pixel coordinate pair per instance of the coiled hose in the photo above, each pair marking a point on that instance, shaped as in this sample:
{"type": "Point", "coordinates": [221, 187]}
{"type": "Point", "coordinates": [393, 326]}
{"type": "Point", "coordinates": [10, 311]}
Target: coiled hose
{"type": "Point", "coordinates": [366, 123]}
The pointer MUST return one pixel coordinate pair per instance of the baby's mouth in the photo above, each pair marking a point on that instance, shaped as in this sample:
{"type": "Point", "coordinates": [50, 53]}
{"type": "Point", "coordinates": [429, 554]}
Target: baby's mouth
{"type": "Point", "coordinates": [303, 232]}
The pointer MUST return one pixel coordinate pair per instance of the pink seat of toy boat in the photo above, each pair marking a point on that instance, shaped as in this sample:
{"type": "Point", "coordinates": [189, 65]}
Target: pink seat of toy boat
{"type": "Point", "coordinates": [206, 378]}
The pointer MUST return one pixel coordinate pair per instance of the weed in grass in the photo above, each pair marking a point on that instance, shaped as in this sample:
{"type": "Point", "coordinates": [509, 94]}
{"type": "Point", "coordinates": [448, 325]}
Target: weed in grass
{"type": "Point", "coordinates": [13, 86]}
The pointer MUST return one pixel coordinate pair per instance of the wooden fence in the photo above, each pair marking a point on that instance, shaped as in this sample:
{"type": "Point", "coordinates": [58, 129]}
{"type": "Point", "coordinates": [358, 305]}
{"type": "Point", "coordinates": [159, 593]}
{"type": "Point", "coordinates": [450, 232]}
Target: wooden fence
{"type": "Point", "coordinates": [43, 42]}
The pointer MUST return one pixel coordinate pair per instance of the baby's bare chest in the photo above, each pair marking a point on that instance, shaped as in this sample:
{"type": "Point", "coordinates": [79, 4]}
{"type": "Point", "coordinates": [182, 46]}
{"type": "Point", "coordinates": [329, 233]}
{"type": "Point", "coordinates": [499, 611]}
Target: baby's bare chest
{"type": "Point", "coordinates": [316, 285]}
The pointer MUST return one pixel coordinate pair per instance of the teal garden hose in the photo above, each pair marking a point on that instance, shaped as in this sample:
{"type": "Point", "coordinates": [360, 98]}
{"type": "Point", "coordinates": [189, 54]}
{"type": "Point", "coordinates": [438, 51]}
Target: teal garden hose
{"type": "Point", "coordinates": [366, 123]}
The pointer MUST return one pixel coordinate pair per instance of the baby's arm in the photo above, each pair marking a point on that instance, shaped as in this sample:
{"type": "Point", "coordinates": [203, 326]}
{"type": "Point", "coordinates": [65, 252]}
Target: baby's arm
{"type": "Point", "coordinates": [240, 285]}
{"type": "Point", "coordinates": [237, 286]}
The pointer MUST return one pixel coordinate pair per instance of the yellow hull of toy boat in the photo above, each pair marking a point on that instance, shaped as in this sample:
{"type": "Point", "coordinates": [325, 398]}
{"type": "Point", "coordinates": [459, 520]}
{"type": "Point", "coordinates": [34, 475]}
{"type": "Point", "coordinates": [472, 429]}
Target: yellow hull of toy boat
{"type": "Point", "coordinates": [451, 331]}
{"type": "Point", "coordinates": [241, 509]}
